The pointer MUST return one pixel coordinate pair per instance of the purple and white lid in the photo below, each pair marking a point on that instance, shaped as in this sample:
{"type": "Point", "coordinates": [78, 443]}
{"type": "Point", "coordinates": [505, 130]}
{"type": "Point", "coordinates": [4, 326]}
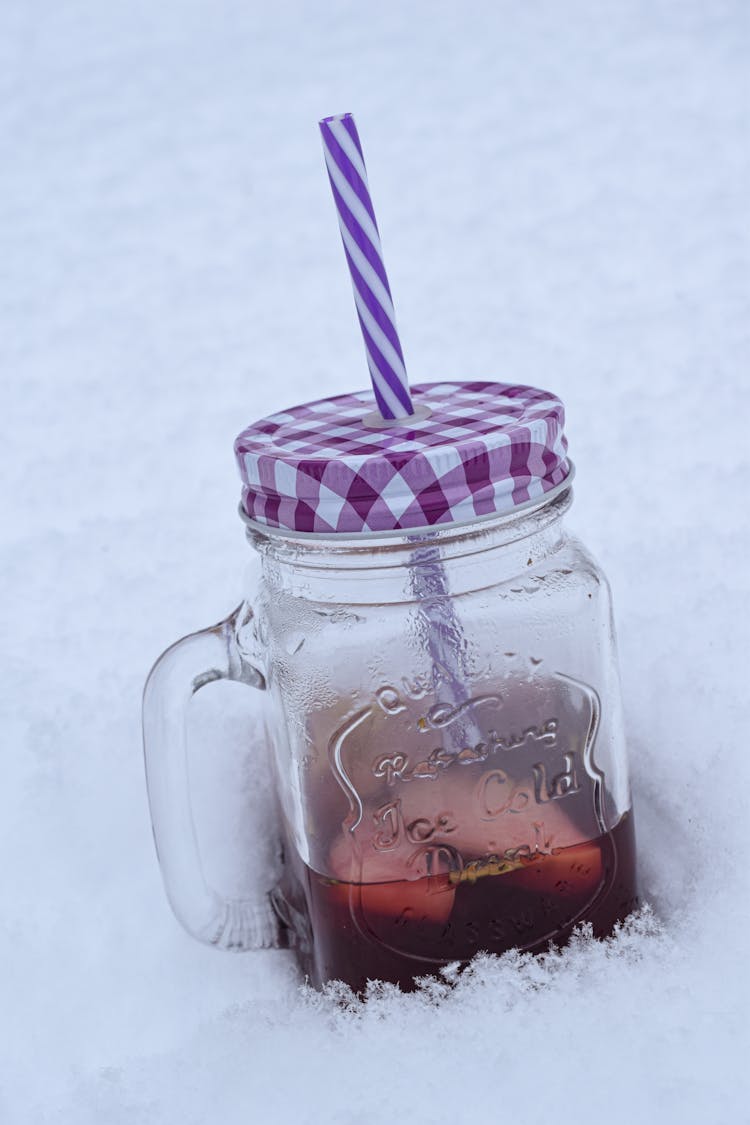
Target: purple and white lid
{"type": "Point", "coordinates": [471, 450]}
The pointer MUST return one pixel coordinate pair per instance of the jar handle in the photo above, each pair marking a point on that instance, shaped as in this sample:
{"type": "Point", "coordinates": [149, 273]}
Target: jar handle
{"type": "Point", "coordinates": [187, 666]}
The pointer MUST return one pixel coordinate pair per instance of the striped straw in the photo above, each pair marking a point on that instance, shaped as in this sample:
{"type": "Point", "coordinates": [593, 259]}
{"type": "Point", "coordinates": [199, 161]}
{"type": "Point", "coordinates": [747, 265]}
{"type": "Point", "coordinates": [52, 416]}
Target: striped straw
{"type": "Point", "coordinates": [364, 254]}
{"type": "Point", "coordinates": [372, 296]}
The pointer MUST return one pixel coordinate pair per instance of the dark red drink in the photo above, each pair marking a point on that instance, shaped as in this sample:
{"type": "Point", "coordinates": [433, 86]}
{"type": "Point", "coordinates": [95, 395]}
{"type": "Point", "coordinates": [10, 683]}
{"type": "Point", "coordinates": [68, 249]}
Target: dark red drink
{"type": "Point", "coordinates": [399, 930]}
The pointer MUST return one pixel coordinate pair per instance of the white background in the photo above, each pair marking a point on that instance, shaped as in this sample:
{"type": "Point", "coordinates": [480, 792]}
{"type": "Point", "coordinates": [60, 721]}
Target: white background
{"type": "Point", "coordinates": [562, 192]}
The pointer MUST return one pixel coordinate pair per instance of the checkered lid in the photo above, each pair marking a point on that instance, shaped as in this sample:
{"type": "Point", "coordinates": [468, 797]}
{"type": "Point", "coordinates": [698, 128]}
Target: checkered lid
{"type": "Point", "coordinates": [471, 450]}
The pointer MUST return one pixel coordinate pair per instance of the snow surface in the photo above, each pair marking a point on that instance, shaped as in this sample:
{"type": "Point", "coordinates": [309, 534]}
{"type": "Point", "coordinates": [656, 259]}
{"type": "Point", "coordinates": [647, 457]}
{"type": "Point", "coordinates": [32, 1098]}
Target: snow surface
{"type": "Point", "coordinates": [562, 191]}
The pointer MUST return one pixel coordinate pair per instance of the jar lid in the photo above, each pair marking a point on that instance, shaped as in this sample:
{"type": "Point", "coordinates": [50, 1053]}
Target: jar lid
{"type": "Point", "coordinates": [470, 450]}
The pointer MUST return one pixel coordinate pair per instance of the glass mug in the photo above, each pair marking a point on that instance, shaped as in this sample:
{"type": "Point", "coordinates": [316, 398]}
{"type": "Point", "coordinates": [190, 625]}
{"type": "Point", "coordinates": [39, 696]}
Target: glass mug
{"type": "Point", "coordinates": [442, 711]}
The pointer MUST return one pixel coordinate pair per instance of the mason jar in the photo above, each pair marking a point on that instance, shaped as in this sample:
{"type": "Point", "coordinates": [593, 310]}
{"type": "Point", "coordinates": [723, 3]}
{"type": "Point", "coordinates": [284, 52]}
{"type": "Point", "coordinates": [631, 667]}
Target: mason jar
{"type": "Point", "coordinates": [438, 677]}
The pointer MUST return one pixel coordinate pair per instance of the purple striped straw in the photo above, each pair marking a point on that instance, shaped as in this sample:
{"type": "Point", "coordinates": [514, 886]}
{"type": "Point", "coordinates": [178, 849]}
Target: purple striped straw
{"type": "Point", "coordinates": [364, 254]}
{"type": "Point", "coordinates": [377, 319]}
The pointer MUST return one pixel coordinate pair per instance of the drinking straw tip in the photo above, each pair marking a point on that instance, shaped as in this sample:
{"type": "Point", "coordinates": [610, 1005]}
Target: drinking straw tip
{"type": "Point", "coordinates": [335, 117]}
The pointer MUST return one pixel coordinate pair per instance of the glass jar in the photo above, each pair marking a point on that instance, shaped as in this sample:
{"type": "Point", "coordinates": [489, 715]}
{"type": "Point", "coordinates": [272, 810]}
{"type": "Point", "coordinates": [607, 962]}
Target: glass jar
{"type": "Point", "coordinates": [443, 714]}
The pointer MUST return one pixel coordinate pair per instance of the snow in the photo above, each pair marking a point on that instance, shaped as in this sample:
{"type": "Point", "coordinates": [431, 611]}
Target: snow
{"type": "Point", "coordinates": [562, 193]}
